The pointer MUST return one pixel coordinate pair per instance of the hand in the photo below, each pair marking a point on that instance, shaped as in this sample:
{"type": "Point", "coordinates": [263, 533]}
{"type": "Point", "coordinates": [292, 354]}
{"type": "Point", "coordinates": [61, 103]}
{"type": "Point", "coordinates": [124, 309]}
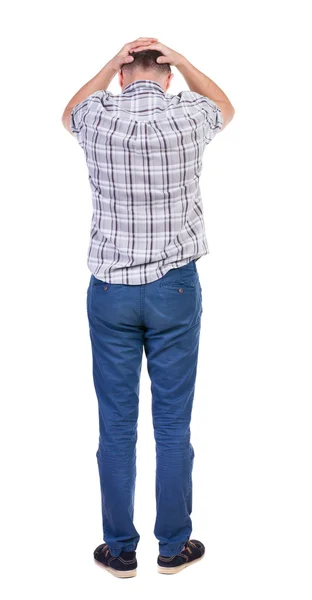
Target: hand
{"type": "Point", "coordinates": [123, 55]}
{"type": "Point", "coordinates": [170, 56]}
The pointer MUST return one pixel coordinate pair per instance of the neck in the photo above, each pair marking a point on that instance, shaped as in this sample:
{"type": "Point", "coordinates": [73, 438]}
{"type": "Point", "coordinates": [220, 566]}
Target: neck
{"type": "Point", "coordinates": [144, 77]}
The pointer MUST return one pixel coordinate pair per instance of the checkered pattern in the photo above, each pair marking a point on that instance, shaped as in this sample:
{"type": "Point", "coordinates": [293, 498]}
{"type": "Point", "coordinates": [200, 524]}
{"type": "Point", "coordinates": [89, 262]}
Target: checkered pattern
{"type": "Point", "coordinates": [144, 150]}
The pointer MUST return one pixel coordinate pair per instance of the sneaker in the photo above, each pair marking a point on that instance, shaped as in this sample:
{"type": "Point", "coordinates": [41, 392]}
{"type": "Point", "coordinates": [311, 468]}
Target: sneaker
{"type": "Point", "coordinates": [124, 565]}
{"type": "Point", "coordinates": [192, 552]}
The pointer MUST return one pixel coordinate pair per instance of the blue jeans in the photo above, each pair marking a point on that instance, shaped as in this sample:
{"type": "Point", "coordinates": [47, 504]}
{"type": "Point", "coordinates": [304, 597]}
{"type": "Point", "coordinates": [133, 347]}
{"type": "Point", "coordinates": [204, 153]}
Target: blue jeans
{"type": "Point", "coordinates": [164, 318]}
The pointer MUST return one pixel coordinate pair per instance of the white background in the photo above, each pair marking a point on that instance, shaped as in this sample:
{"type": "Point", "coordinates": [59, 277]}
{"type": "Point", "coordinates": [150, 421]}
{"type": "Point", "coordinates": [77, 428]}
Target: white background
{"type": "Point", "coordinates": [251, 427]}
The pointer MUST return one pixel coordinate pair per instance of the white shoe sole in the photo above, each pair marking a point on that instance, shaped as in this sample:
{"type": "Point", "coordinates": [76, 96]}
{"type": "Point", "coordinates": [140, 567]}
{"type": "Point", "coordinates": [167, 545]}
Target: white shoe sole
{"type": "Point", "coordinates": [120, 574]}
{"type": "Point", "coordinates": [173, 570]}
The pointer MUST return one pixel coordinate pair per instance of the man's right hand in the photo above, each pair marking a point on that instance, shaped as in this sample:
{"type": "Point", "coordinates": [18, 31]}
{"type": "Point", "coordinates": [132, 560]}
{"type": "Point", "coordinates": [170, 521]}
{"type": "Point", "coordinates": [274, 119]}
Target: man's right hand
{"type": "Point", "coordinates": [169, 55]}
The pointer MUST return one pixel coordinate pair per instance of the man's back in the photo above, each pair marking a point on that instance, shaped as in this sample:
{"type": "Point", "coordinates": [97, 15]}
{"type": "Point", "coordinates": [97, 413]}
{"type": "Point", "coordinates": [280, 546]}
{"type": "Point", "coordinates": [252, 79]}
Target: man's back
{"type": "Point", "coordinates": [144, 151]}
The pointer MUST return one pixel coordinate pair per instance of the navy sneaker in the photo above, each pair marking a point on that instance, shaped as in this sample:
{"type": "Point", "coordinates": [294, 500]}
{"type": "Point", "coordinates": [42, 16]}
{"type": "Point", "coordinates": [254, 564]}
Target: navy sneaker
{"type": "Point", "coordinates": [192, 552]}
{"type": "Point", "coordinates": [124, 565]}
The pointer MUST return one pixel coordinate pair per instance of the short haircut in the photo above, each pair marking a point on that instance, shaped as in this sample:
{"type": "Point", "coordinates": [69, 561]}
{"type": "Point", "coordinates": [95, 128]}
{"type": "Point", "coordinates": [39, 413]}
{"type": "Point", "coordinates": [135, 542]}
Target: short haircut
{"type": "Point", "coordinates": [146, 60]}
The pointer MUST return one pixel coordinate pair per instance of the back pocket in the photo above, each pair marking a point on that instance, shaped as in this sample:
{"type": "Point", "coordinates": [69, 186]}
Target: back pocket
{"type": "Point", "coordinates": [187, 282]}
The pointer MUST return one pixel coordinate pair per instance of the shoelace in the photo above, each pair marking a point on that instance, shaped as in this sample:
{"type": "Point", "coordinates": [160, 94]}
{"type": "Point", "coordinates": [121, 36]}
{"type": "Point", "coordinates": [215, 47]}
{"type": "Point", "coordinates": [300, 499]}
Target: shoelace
{"type": "Point", "coordinates": [187, 546]}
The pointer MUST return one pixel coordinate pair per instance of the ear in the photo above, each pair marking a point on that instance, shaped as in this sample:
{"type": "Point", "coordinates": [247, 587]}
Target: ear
{"type": "Point", "coordinates": [170, 76]}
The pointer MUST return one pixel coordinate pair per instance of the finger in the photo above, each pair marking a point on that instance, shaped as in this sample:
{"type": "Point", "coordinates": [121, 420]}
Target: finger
{"type": "Point", "coordinates": [147, 47]}
{"type": "Point", "coordinates": [138, 45]}
{"type": "Point", "coordinates": [153, 46]}
{"type": "Point", "coordinates": [146, 38]}
{"type": "Point", "coordinates": [162, 59]}
{"type": "Point", "coordinates": [141, 41]}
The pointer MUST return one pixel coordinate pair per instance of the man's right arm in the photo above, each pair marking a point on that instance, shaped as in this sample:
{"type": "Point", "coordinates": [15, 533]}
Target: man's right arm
{"type": "Point", "coordinates": [203, 85]}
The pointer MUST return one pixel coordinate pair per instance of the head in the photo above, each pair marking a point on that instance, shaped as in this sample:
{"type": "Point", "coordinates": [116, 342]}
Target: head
{"type": "Point", "coordinates": [144, 66]}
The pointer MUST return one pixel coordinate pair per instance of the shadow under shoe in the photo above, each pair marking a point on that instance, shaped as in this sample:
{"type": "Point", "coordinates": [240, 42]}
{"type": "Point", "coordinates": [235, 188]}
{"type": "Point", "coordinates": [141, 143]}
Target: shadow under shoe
{"type": "Point", "coordinates": [124, 565]}
{"type": "Point", "coordinates": [192, 552]}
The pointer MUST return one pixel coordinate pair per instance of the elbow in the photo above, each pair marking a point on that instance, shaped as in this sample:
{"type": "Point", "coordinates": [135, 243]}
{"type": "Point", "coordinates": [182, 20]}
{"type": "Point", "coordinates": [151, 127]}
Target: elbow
{"type": "Point", "coordinates": [66, 118]}
{"type": "Point", "coordinates": [231, 111]}
{"type": "Point", "coordinates": [63, 117]}
{"type": "Point", "coordinates": [228, 113]}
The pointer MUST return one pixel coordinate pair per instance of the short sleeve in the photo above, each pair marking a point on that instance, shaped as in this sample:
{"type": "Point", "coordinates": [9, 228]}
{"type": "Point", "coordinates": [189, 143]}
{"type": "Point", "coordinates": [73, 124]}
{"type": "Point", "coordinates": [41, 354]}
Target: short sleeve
{"type": "Point", "coordinates": [77, 119]}
{"type": "Point", "coordinates": [213, 118]}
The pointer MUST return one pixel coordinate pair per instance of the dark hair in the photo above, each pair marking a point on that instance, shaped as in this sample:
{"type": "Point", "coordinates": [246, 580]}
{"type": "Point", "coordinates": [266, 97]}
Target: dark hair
{"type": "Point", "coordinates": [146, 60]}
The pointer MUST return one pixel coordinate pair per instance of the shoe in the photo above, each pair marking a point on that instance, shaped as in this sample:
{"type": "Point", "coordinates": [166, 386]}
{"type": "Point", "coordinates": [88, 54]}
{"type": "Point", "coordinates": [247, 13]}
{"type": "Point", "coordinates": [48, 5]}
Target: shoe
{"type": "Point", "coordinates": [192, 552]}
{"type": "Point", "coordinates": [124, 565]}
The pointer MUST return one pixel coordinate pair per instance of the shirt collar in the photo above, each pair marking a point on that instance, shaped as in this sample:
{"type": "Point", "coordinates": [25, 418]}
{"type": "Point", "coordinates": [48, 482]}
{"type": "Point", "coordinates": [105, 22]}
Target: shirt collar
{"type": "Point", "coordinates": [148, 84]}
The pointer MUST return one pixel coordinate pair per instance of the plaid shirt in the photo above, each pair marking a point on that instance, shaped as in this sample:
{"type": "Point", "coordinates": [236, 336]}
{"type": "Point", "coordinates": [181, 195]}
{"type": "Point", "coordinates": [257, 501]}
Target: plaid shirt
{"type": "Point", "coordinates": [144, 150]}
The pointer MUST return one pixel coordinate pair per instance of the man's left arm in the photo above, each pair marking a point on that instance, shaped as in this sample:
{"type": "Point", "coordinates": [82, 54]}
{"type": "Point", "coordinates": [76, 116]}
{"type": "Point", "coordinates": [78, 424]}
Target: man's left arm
{"type": "Point", "coordinates": [102, 80]}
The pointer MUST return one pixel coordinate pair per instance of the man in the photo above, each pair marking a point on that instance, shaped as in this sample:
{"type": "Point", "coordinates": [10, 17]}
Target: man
{"type": "Point", "coordinates": [144, 150]}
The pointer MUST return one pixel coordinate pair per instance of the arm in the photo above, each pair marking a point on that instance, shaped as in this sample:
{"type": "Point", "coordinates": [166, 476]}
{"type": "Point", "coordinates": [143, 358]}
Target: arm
{"type": "Point", "coordinates": [200, 83]}
{"type": "Point", "coordinates": [195, 79]}
{"type": "Point", "coordinates": [102, 80]}
{"type": "Point", "coordinates": [99, 82]}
